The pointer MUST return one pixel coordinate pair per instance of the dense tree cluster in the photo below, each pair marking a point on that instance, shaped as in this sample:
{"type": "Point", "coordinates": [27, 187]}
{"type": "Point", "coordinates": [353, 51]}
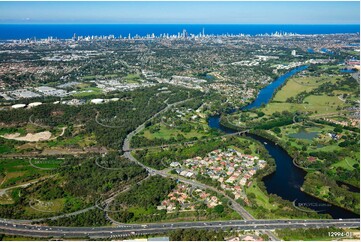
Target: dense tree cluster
{"type": "Point", "coordinates": [327, 189]}
{"type": "Point", "coordinates": [94, 217]}
{"type": "Point", "coordinates": [198, 235]}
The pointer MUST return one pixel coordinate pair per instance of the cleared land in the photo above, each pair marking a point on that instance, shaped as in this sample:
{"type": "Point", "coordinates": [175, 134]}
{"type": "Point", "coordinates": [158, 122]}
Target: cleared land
{"type": "Point", "coordinates": [320, 104]}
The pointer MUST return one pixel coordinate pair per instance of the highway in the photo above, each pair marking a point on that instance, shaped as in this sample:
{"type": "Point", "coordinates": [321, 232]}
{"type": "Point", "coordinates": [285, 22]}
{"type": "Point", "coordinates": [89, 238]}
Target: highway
{"type": "Point", "coordinates": [127, 153]}
{"type": "Point", "coordinates": [19, 227]}
{"type": "Point", "coordinates": [158, 228]}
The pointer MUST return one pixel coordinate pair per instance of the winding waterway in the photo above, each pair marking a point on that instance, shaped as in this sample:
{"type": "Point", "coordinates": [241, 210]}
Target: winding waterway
{"type": "Point", "coordinates": [287, 180]}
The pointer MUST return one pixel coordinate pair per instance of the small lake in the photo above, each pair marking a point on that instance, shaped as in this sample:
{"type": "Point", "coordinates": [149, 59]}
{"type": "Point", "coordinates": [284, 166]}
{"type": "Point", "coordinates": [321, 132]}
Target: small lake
{"type": "Point", "coordinates": [303, 134]}
{"type": "Point", "coordinates": [347, 71]}
{"type": "Point", "coordinates": [327, 51]}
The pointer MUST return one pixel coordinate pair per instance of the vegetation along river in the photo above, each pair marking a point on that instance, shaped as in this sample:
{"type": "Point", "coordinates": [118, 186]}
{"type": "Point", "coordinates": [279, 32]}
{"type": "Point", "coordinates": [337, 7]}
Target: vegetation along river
{"type": "Point", "coordinates": [287, 180]}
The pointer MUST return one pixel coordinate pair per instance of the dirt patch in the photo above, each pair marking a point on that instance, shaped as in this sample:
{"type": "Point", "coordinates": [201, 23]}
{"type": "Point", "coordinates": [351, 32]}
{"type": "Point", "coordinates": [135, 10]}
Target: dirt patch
{"type": "Point", "coordinates": [41, 136]}
{"type": "Point", "coordinates": [73, 151]}
{"type": "Point", "coordinates": [57, 113]}
{"type": "Point", "coordinates": [60, 151]}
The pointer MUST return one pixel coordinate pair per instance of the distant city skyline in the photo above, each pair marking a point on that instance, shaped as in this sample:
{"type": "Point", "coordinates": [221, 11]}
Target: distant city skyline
{"type": "Point", "coordinates": [180, 12]}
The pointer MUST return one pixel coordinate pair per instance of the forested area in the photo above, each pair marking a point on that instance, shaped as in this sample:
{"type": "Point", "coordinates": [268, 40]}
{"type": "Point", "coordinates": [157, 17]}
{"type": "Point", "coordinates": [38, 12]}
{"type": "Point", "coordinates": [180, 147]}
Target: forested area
{"type": "Point", "coordinates": [145, 197]}
{"type": "Point", "coordinates": [78, 183]}
{"type": "Point", "coordinates": [94, 217]}
{"type": "Point", "coordinates": [199, 235]}
{"type": "Point", "coordinates": [327, 189]}
{"type": "Point", "coordinates": [90, 180]}
{"type": "Point", "coordinates": [122, 116]}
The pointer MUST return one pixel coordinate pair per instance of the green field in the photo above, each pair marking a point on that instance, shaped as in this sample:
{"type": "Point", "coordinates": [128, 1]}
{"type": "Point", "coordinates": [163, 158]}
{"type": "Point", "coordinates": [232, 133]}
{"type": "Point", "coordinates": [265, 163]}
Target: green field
{"type": "Point", "coordinates": [261, 198]}
{"type": "Point", "coordinates": [12, 130]}
{"type": "Point", "coordinates": [90, 91]}
{"type": "Point", "coordinates": [297, 85]}
{"type": "Point", "coordinates": [132, 78]}
{"type": "Point", "coordinates": [47, 163]}
{"type": "Point", "coordinates": [346, 163]}
{"type": "Point", "coordinates": [321, 104]}
{"type": "Point", "coordinates": [52, 206]}
{"type": "Point", "coordinates": [18, 171]}
{"type": "Point", "coordinates": [167, 132]}
{"type": "Point", "coordinates": [79, 140]}
{"type": "Point", "coordinates": [88, 77]}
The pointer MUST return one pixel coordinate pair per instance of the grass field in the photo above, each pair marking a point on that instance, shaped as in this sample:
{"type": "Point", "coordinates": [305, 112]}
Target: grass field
{"type": "Point", "coordinates": [18, 171]}
{"type": "Point", "coordinates": [6, 199]}
{"type": "Point", "coordinates": [52, 206]}
{"type": "Point", "coordinates": [166, 133]}
{"type": "Point", "coordinates": [88, 77]}
{"type": "Point", "coordinates": [320, 104]}
{"type": "Point", "coordinates": [90, 91]}
{"type": "Point", "coordinates": [297, 85]}
{"type": "Point", "coordinates": [4, 148]}
{"type": "Point", "coordinates": [3, 131]}
{"type": "Point", "coordinates": [132, 78]}
{"type": "Point", "coordinates": [261, 198]}
{"type": "Point", "coordinates": [321, 139]}
{"type": "Point", "coordinates": [47, 163]}
{"type": "Point", "coordinates": [346, 163]}
{"type": "Point", "coordinates": [80, 140]}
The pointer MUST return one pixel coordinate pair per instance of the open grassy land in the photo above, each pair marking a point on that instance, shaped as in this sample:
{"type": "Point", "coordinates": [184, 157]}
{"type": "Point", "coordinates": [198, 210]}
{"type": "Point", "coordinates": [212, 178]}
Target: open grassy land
{"type": "Point", "coordinates": [165, 132]}
{"type": "Point", "coordinates": [348, 163]}
{"type": "Point", "coordinates": [132, 78]}
{"type": "Point", "coordinates": [51, 206]}
{"type": "Point", "coordinates": [322, 104]}
{"type": "Point", "coordinates": [316, 94]}
{"type": "Point", "coordinates": [269, 206]}
{"type": "Point", "coordinates": [48, 163]}
{"type": "Point", "coordinates": [261, 198]}
{"type": "Point", "coordinates": [89, 91]}
{"type": "Point", "coordinates": [297, 85]}
{"type": "Point", "coordinates": [18, 171]}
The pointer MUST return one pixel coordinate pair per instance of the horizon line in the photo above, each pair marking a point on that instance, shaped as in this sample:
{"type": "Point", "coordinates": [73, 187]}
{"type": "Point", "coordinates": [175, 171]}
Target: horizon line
{"type": "Point", "coordinates": [180, 23]}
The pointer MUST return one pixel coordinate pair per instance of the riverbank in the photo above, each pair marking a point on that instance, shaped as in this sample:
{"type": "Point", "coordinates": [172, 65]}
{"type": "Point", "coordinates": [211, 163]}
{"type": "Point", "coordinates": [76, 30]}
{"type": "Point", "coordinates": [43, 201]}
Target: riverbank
{"type": "Point", "coordinates": [286, 181]}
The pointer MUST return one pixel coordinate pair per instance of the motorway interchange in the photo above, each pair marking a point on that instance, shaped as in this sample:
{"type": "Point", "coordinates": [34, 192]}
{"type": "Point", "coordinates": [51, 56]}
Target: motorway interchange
{"type": "Point", "coordinates": [18, 227]}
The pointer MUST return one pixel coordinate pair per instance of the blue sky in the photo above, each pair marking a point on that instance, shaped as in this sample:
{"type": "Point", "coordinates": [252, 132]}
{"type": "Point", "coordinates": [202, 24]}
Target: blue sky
{"type": "Point", "coordinates": [181, 12]}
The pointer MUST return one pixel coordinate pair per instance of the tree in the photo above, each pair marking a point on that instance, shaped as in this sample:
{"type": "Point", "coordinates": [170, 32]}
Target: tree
{"type": "Point", "coordinates": [219, 209]}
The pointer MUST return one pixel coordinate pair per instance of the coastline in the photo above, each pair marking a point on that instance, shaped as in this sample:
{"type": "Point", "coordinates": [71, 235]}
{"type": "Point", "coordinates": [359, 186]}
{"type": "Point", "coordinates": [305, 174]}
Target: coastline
{"type": "Point", "coordinates": [13, 31]}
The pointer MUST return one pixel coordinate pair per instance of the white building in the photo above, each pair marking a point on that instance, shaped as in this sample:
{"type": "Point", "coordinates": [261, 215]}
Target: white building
{"type": "Point", "coordinates": [20, 105]}
{"type": "Point", "coordinates": [97, 101]}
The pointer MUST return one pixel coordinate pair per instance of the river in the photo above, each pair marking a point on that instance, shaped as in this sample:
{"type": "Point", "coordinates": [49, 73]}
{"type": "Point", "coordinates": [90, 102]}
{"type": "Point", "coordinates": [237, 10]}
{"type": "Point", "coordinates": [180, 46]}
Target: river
{"type": "Point", "coordinates": [287, 180]}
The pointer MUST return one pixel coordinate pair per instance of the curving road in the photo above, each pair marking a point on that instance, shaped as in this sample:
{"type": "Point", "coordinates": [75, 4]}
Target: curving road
{"type": "Point", "coordinates": [17, 227]}
{"type": "Point", "coordinates": [127, 153]}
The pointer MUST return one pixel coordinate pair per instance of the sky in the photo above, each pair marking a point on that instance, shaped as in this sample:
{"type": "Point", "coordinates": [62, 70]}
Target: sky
{"type": "Point", "coordinates": [180, 12]}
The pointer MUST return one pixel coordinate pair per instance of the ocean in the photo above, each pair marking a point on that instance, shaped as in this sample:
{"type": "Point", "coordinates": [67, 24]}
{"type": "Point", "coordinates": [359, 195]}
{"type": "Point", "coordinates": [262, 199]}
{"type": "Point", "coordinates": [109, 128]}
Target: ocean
{"type": "Point", "coordinates": [64, 31]}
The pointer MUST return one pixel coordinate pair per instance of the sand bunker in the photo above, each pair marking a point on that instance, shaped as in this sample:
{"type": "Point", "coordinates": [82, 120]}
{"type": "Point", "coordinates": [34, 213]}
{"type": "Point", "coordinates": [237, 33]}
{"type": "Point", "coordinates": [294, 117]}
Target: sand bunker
{"type": "Point", "coordinates": [41, 136]}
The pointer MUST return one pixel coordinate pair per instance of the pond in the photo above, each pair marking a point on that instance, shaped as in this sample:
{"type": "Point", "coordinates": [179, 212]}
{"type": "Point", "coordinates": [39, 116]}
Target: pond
{"type": "Point", "coordinates": [303, 134]}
